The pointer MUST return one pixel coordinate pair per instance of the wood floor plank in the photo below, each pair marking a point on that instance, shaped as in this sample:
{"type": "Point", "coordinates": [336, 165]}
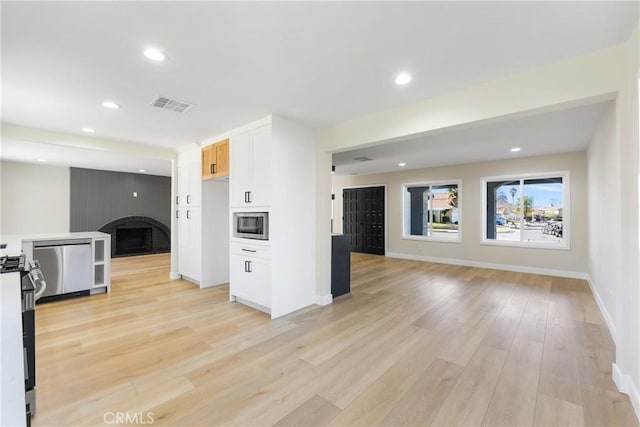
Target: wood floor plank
{"type": "Point", "coordinates": [606, 408]}
{"type": "Point", "coordinates": [316, 411]}
{"type": "Point", "coordinates": [419, 405]}
{"type": "Point", "coordinates": [414, 343]}
{"type": "Point", "coordinates": [471, 396]}
{"type": "Point", "coordinates": [556, 412]}
{"type": "Point", "coordinates": [559, 376]}
{"type": "Point", "coordinates": [514, 399]}
{"type": "Point", "coordinates": [347, 374]}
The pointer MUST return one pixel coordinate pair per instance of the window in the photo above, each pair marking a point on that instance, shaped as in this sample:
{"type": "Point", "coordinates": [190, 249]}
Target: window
{"type": "Point", "coordinates": [432, 211]}
{"type": "Point", "coordinates": [527, 211]}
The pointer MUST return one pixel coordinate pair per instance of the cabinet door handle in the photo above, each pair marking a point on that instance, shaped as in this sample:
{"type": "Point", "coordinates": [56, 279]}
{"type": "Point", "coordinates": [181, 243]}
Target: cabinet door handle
{"type": "Point", "coordinates": [177, 214]}
{"type": "Point", "coordinates": [177, 200]}
{"type": "Point", "coordinates": [211, 168]}
{"type": "Point", "coordinates": [188, 197]}
{"type": "Point", "coordinates": [248, 196]}
{"type": "Point", "coordinates": [249, 250]}
{"type": "Point", "coordinates": [188, 217]}
{"type": "Point", "coordinates": [26, 363]}
{"type": "Point", "coordinates": [248, 266]}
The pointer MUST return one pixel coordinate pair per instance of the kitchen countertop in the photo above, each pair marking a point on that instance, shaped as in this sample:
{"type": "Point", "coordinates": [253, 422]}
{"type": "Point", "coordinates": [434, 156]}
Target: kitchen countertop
{"type": "Point", "coordinates": [14, 241]}
{"type": "Point", "coordinates": [12, 399]}
{"type": "Point", "coordinates": [55, 236]}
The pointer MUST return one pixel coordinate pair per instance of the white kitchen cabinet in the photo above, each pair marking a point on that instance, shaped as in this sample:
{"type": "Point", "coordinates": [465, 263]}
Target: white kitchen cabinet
{"type": "Point", "coordinates": [250, 174]}
{"type": "Point", "coordinates": [189, 179]}
{"type": "Point", "coordinates": [250, 274]}
{"type": "Point", "coordinates": [240, 171]}
{"type": "Point", "coordinates": [201, 218]}
{"type": "Point", "coordinates": [270, 160]}
{"type": "Point", "coordinates": [189, 242]}
{"type": "Point", "coordinates": [261, 165]}
{"type": "Point", "coordinates": [188, 214]}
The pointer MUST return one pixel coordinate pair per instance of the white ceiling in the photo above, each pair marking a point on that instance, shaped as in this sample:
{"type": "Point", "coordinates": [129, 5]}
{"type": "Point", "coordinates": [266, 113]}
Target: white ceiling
{"type": "Point", "coordinates": [57, 155]}
{"type": "Point", "coordinates": [318, 63]}
{"type": "Point", "coordinates": [556, 132]}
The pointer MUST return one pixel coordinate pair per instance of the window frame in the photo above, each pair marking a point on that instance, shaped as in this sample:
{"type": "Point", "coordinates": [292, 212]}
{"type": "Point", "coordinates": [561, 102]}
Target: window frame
{"type": "Point", "coordinates": [403, 197]}
{"type": "Point", "coordinates": [566, 210]}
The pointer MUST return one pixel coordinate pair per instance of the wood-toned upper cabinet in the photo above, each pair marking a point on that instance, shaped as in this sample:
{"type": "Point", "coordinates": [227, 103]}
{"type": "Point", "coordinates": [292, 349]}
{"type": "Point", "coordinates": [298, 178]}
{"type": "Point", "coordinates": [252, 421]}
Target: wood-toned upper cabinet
{"type": "Point", "coordinates": [222, 158]}
{"type": "Point", "coordinates": [215, 160]}
{"type": "Point", "coordinates": [208, 161]}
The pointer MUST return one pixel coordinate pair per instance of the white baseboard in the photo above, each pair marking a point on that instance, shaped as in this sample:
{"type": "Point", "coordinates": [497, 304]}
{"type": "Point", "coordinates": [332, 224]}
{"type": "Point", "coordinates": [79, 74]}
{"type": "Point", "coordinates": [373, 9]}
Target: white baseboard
{"type": "Point", "coordinates": [505, 267]}
{"type": "Point", "coordinates": [174, 276]}
{"type": "Point", "coordinates": [324, 299]}
{"type": "Point", "coordinates": [253, 305]}
{"type": "Point", "coordinates": [626, 386]}
{"type": "Point", "coordinates": [605, 313]}
{"type": "Point", "coordinates": [213, 285]}
{"type": "Point", "coordinates": [189, 279]}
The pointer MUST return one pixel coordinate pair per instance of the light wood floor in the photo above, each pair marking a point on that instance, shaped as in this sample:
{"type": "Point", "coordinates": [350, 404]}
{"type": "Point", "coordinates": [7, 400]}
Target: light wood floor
{"type": "Point", "coordinates": [414, 344]}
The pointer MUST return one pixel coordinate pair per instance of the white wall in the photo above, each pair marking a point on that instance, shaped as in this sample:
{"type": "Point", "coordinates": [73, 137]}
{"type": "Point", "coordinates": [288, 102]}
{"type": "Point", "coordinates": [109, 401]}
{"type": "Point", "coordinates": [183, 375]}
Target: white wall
{"type": "Point", "coordinates": [627, 367]}
{"type": "Point", "coordinates": [215, 233]}
{"type": "Point", "coordinates": [35, 198]}
{"type": "Point", "coordinates": [292, 216]}
{"type": "Point", "coordinates": [470, 251]}
{"type": "Point", "coordinates": [603, 205]}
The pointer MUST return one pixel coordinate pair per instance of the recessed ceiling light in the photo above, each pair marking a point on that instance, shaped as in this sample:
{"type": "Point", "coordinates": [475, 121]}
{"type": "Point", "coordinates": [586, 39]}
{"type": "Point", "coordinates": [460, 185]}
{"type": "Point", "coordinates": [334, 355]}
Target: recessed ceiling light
{"type": "Point", "coordinates": [142, 170]}
{"type": "Point", "coordinates": [402, 164]}
{"type": "Point", "coordinates": [110, 104]}
{"type": "Point", "coordinates": [154, 54]}
{"type": "Point", "coordinates": [403, 79]}
{"type": "Point", "coordinates": [88, 130]}
{"type": "Point", "coordinates": [515, 149]}
{"type": "Point", "coordinates": [42, 160]}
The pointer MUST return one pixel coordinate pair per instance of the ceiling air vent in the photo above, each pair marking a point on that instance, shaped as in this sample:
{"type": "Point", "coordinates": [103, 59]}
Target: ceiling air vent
{"type": "Point", "coordinates": [171, 104]}
{"type": "Point", "coordinates": [362, 159]}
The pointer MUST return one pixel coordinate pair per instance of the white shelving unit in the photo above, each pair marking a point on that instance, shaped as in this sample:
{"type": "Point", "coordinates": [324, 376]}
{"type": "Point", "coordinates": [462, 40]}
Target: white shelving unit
{"type": "Point", "coordinates": [101, 263]}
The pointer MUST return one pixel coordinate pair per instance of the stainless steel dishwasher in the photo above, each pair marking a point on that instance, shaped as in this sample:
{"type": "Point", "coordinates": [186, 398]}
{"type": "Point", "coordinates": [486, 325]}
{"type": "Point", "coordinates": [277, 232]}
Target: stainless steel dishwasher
{"type": "Point", "coordinates": [67, 265]}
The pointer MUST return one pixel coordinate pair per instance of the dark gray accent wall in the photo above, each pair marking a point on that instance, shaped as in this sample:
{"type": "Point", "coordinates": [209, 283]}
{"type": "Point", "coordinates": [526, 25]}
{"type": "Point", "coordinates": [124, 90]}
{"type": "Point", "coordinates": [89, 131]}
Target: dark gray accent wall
{"type": "Point", "coordinates": [99, 197]}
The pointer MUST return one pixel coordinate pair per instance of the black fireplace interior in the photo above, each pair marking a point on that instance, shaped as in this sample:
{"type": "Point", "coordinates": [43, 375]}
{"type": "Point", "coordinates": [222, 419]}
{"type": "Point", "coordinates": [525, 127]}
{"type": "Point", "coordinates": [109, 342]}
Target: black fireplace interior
{"type": "Point", "coordinates": [137, 235]}
{"type": "Point", "coordinates": [134, 241]}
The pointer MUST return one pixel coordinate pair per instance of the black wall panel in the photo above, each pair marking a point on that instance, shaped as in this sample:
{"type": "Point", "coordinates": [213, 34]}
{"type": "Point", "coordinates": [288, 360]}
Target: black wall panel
{"type": "Point", "coordinates": [99, 197]}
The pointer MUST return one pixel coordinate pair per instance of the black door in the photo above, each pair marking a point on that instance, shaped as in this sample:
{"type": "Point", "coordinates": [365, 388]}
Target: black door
{"type": "Point", "coordinates": [363, 219]}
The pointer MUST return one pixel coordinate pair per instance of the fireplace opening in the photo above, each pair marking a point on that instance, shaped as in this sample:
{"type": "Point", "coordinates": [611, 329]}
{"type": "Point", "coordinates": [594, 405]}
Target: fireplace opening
{"type": "Point", "coordinates": [133, 241]}
{"type": "Point", "coordinates": [137, 235]}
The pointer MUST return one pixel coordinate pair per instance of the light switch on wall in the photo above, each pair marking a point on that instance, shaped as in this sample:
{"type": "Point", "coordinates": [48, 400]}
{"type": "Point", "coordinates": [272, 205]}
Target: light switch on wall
{"type": "Point", "coordinates": [135, 194]}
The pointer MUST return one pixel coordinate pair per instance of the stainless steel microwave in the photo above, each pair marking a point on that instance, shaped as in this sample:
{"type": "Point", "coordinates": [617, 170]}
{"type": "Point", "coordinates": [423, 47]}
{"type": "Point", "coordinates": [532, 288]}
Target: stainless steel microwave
{"type": "Point", "coordinates": [251, 225]}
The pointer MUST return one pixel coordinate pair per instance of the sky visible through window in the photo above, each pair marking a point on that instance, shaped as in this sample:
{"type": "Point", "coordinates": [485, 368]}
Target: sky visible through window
{"type": "Point", "coordinates": [543, 195]}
